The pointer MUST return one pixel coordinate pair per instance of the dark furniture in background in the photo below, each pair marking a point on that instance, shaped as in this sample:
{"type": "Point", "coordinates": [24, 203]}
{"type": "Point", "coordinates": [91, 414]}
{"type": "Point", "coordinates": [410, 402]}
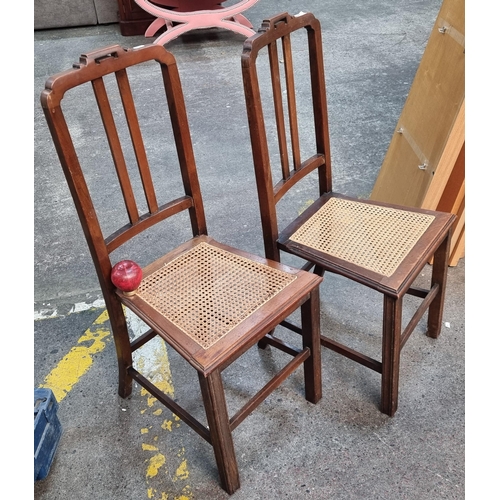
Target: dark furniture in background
{"type": "Point", "coordinates": [132, 19]}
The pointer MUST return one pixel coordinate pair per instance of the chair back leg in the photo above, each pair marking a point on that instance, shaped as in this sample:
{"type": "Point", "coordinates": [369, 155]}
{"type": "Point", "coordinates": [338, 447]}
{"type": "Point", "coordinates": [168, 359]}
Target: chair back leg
{"type": "Point", "coordinates": [439, 276]}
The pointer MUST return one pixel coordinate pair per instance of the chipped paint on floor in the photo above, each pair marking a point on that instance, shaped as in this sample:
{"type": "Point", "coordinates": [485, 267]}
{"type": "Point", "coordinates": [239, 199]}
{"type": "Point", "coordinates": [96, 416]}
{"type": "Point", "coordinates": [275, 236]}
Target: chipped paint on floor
{"type": "Point", "coordinates": [160, 468]}
{"type": "Point", "coordinates": [79, 359]}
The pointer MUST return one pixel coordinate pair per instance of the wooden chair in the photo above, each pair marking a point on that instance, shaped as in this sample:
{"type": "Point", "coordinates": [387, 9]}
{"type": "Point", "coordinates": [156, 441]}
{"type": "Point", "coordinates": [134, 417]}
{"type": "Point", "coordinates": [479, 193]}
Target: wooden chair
{"type": "Point", "coordinates": [381, 246]}
{"type": "Point", "coordinates": [208, 301]}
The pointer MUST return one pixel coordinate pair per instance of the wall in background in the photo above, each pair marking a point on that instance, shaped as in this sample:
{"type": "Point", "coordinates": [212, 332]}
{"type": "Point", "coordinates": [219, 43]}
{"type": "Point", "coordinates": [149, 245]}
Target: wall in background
{"type": "Point", "coordinates": [66, 13]}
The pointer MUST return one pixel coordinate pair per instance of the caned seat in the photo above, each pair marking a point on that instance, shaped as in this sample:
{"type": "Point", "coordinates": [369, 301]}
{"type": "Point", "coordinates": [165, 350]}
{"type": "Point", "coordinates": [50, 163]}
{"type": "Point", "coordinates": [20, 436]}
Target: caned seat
{"type": "Point", "coordinates": [381, 246]}
{"type": "Point", "coordinates": [210, 302]}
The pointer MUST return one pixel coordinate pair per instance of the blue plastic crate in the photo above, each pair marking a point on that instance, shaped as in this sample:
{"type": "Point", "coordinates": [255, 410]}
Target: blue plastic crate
{"type": "Point", "coordinates": [48, 431]}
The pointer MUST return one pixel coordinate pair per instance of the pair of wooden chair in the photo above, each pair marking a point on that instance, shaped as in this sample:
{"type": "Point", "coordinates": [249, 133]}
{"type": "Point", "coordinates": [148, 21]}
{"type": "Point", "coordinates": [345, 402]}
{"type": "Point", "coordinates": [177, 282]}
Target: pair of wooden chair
{"type": "Point", "coordinates": [208, 301]}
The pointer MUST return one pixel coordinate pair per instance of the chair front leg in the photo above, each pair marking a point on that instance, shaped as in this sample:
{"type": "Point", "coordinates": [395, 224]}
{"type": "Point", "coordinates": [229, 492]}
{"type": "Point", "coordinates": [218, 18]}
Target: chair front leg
{"type": "Point", "coordinates": [212, 391]}
{"type": "Point", "coordinates": [439, 275]}
{"type": "Point", "coordinates": [391, 350]}
{"type": "Point", "coordinates": [311, 339]}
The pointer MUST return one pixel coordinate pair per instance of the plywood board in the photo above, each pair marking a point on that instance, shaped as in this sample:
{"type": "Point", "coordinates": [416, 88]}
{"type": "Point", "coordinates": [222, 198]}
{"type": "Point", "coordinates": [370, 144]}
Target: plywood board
{"type": "Point", "coordinates": [459, 249]}
{"type": "Point", "coordinates": [450, 171]}
{"type": "Point", "coordinates": [425, 163]}
{"type": "Point", "coordinates": [434, 103]}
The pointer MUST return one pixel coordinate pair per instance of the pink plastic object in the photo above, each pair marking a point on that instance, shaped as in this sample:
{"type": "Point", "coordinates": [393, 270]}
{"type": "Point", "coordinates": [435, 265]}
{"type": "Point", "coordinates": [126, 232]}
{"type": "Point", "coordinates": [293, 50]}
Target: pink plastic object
{"type": "Point", "coordinates": [201, 14]}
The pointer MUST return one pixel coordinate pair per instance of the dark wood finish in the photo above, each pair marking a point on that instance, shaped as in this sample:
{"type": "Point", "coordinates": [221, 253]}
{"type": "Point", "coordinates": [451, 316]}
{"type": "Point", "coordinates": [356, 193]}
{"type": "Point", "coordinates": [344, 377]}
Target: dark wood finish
{"type": "Point", "coordinates": [212, 392]}
{"type": "Point", "coordinates": [311, 340]}
{"type": "Point", "coordinates": [273, 38]}
{"type": "Point", "coordinates": [301, 292]}
{"type": "Point", "coordinates": [439, 276]}
{"type": "Point", "coordinates": [132, 19]}
{"type": "Point", "coordinates": [391, 350]}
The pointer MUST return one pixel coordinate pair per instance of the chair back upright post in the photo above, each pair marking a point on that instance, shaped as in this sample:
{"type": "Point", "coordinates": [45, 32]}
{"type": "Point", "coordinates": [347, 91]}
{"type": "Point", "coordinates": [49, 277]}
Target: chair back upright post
{"type": "Point", "coordinates": [92, 68]}
{"type": "Point", "coordinates": [279, 42]}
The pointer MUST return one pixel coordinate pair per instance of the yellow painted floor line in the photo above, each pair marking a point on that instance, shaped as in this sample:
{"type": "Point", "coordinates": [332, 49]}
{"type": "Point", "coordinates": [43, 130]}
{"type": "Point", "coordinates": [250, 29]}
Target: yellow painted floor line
{"type": "Point", "coordinates": [79, 359]}
{"type": "Point", "coordinates": [152, 361]}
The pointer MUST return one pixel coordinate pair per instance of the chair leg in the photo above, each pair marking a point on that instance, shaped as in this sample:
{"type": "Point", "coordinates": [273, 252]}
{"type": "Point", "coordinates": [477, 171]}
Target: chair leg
{"type": "Point", "coordinates": [439, 275]}
{"type": "Point", "coordinates": [122, 346]}
{"type": "Point", "coordinates": [124, 380]}
{"type": "Point", "coordinates": [212, 392]}
{"type": "Point", "coordinates": [320, 271]}
{"type": "Point", "coordinates": [391, 350]}
{"type": "Point", "coordinates": [311, 339]}
{"type": "Point", "coordinates": [263, 343]}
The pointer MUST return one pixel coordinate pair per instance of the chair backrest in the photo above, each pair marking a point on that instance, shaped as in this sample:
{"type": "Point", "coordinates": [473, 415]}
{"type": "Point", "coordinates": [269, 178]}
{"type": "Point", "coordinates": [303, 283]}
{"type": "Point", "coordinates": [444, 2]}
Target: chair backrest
{"type": "Point", "coordinates": [118, 129]}
{"type": "Point", "coordinates": [276, 34]}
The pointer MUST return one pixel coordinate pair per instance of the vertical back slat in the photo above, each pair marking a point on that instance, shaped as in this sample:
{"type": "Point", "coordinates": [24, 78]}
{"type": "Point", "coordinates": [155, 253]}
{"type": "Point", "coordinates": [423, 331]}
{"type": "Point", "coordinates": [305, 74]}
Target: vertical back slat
{"type": "Point", "coordinates": [137, 141]}
{"type": "Point", "coordinates": [184, 145]}
{"type": "Point", "coordinates": [278, 109]}
{"type": "Point", "coordinates": [292, 105]}
{"type": "Point", "coordinates": [115, 147]}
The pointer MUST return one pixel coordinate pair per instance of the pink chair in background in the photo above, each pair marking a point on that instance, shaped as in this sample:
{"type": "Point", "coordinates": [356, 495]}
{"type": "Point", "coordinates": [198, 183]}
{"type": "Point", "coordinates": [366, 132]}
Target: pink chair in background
{"type": "Point", "coordinates": [195, 14]}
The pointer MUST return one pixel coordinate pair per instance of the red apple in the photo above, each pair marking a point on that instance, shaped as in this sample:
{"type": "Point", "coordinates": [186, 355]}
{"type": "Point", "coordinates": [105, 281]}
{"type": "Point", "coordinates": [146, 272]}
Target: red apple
{"type": "Point", "coordinates": [126, 275]}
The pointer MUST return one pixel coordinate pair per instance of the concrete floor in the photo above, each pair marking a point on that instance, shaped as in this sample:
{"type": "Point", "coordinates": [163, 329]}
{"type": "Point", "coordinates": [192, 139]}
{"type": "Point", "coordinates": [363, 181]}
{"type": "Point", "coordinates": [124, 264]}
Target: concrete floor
{"type": "Point", "coordinates": [341, 448]}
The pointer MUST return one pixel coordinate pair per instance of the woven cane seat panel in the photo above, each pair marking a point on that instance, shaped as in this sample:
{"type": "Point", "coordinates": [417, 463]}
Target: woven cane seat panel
{"type": "Point", "coordinates": [207, 291]}
{"type": "Point", "coordinates": [373, 237]}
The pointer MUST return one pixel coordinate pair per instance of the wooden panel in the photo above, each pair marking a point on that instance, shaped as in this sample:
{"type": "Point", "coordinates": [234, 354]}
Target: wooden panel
{"type": "Point", "coordinates": [451, 168]}
{"type": "Point", "coordinates": [425, 163]}
{"type": "Point", "coordinates": [454, 191]}
{"type": "Point", "coordinates": [459, 226]}
{"type": "Point", "coordinates": [459, 250]}
{"type": "Point", "coordinates": [429, 114]}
